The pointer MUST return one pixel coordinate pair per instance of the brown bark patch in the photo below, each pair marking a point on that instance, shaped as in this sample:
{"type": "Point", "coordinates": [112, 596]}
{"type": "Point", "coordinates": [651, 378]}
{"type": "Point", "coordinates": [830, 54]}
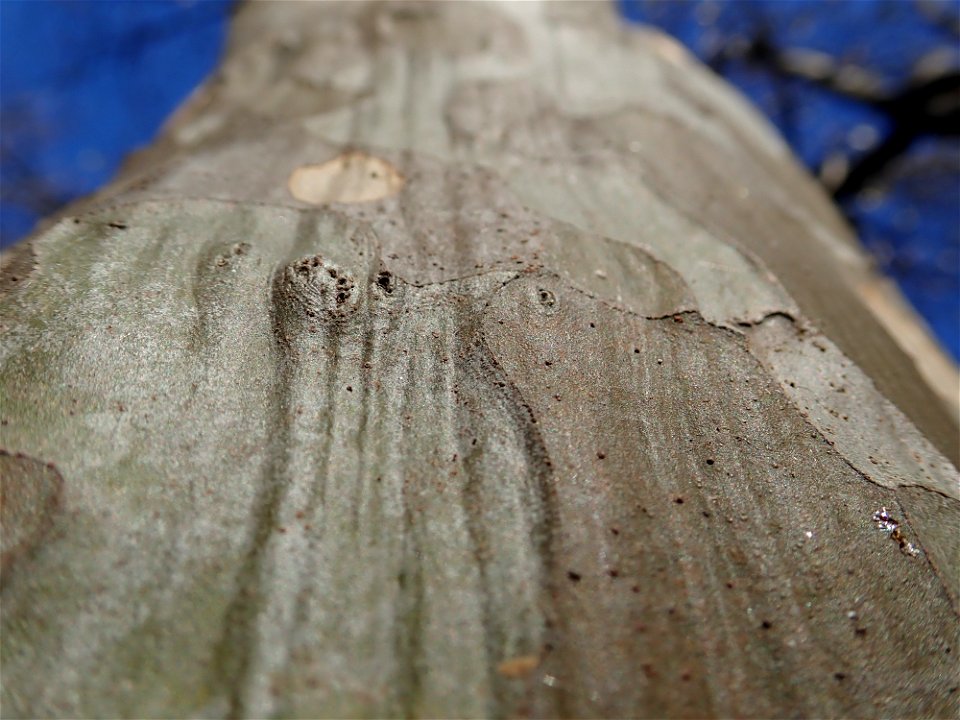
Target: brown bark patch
{"type": "Point", "coordinates": [30, 497]}
{"type": "Point", "coordinates": [518, 667]}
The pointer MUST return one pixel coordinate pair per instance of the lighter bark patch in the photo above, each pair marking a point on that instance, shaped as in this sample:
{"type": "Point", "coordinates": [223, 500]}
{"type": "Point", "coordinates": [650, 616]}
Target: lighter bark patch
{"type": "Point", "coordinates": [352, 177]}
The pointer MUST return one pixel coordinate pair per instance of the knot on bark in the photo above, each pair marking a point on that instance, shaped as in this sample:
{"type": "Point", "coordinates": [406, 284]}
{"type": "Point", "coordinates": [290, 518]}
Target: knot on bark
{"type": "Point", "coordinates": [310, 291]}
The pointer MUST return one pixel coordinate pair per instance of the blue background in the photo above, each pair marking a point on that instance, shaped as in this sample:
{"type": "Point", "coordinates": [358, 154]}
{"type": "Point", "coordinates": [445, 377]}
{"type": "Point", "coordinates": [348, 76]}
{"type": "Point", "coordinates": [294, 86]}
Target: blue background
{"type": "Point", "coordinates": [83, 83]}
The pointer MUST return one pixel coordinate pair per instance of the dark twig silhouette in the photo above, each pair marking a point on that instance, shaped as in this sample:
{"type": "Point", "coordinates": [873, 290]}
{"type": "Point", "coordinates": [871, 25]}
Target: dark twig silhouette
{"type": "Point", "coordinates": [926, 106]}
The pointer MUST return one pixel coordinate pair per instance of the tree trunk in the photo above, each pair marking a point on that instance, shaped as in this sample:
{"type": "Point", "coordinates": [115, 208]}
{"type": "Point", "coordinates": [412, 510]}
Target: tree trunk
{"type": "Point", "coordinates": [458, 360]}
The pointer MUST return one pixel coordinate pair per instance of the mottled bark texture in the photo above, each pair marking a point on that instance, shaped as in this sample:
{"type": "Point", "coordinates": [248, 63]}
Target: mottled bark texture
{"type": "Point", "coordinates": [466, 360]}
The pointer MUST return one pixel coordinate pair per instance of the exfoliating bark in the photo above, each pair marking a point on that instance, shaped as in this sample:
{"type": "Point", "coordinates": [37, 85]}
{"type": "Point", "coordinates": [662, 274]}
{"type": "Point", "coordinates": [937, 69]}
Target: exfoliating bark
{"type": "Point", "coordinates": [466, 360]}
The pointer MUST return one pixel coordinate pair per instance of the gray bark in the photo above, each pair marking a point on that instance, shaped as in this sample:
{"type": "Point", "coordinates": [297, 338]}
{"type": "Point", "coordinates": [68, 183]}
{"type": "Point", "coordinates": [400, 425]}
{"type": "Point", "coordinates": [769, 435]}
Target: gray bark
{"type": "Point", "coordinates": [459, 360]}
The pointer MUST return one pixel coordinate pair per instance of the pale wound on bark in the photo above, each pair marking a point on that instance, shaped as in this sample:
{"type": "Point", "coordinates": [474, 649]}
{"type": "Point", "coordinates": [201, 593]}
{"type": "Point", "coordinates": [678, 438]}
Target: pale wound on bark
{"type": "Point", "coordinates": [353, 177]}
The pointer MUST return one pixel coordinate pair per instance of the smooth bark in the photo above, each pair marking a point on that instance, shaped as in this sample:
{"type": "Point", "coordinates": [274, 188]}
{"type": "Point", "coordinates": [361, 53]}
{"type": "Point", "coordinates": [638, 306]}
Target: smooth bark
{"type": "Point", "coordinates": [457, 360]}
